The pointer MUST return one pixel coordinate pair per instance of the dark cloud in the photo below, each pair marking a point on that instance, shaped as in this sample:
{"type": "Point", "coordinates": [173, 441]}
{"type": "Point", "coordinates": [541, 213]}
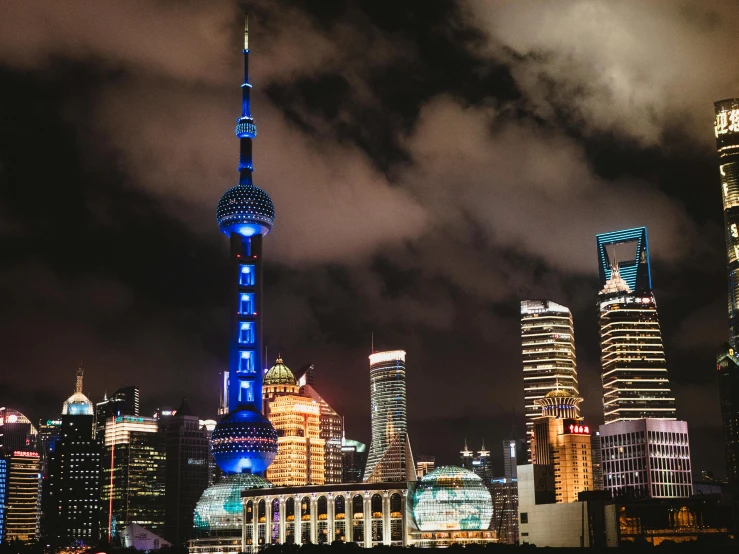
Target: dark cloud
{"type": "Point", "coordinates": [431, 165]}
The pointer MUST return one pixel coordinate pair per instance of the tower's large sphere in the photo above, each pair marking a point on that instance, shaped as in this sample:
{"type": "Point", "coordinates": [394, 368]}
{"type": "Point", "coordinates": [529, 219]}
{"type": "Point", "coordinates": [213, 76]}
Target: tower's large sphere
{"type": "Point", "coordinates": [452, 498]}
{"type": "Point", "coordinates": [246, 210]}
{"type": "Point", "coordinates": [244, 441]}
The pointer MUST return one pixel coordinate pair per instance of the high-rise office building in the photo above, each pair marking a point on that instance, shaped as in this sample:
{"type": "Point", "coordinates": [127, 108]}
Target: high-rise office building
{"type": "Point", "coordinates": [514, 453]}
{"type": "Point", "coordinates": [634, 368]}
{"type": "Point", "coordinates": [562, 441]}
{"type": "Point", "coordinates": [21, 470]}
{"type": "Point", "coordinates": [727, 364]}
{"type": "Point", "coordinates": [353, 460]}
{"type": "Point", "coordinates": [646, 458]}
{"type": "Point", "coordinates": [466, 456]}
{"type": "Point", "coordinates": [727, 142]}
{"type": "Point", "coordinates": [505, 509]}
{"type": "Point", "coordinates": [300, 448]}
{"type": "Point", "coordinates": [726, 128]}
{"type": "Point", "coordinates": [424, 465]}
{"type": "Point", "coordinates": [124, 401]}
{"type": "Point", "coordinates": [186, 471]}
{"type": "Point", "coordinates": [72, 507]}
{"type": "Point", "coordinates": [597, 461]}
{"type": "Point", "coordinates": [390, 457]}
{"type": "Point", "coordinates": [22, 514]}
{"type": "Point", "coordinates": [332, 432]}
{"type": "Point", "coordinates": [549, 363]}
{"type": "Point", "coordinates": [482, 466]}
{"type": "Point", "coordinates": [133, 474]}
{"type": "Point", "coordinates": [634, 374]}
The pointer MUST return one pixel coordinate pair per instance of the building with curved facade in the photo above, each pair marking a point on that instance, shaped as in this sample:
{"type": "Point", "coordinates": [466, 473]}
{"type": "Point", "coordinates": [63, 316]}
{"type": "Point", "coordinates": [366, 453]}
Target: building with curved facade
{"type": "Point", "coordinates": [548, 355]}
{"type": "Point", "coordinates": [390, 457]}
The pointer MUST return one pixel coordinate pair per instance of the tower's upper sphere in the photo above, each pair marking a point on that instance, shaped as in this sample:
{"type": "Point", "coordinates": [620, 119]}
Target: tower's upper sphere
{"type": "Point", "coordinates": [244, 441]}
{"type": "Point", "coordinates": [246, 210]}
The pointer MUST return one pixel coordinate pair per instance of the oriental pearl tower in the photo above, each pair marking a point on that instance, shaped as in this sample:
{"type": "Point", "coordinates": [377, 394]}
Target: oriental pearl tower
{"type": "Point", "coordinates": [244, 441]}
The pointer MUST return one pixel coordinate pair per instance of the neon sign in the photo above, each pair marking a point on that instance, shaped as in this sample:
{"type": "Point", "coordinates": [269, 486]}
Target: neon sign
{"type": "Point", "coordinates": [579, 429]}
{"type": "Point", "coordinates": [727, 122]}
{"type": "Point", "coordinates": [25, 454]}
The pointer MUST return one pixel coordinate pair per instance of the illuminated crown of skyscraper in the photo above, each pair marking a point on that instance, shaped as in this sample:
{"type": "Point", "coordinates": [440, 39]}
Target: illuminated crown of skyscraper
{"type": "Point", "coordinates": [78, 403]}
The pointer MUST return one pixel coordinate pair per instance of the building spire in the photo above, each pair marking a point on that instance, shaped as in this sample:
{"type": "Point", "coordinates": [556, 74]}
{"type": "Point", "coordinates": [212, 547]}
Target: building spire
{"type": "Point", "coordinates": [80, 375]}
{"type": "Point", "coordinates": [246, 130]}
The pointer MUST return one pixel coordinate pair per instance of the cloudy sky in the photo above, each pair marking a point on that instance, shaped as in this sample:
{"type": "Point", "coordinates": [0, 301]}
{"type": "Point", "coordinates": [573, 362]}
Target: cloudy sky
{"type": "Point", "coordinates": [431, 163]}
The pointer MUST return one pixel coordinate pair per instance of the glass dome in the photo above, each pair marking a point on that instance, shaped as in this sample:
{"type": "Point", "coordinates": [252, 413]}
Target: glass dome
{"type": "Point", "coordinates": [279, 374]}
{"type": "Point", "coordinates": [218, 512]}
{"type": "Point", "coordinates": [77, 404]}
{"type": "Point", "coordinates": [452, 498]}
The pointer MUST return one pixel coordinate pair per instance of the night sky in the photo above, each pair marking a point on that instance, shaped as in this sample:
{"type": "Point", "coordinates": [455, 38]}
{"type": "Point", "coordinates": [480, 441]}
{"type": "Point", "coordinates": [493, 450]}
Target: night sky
{"type": "Point", "coordinates": [431, 164]}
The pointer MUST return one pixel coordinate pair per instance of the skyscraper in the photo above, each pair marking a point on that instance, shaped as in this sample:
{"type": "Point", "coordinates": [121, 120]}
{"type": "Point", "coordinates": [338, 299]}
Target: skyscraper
{"type": "Point", "coordinates": [425, 465]}
{"type": "Point", "coordinates": [727, 141]}
{"type": "Point", "coordinates": [562, 441]}
{"type": "Point", "coordinates": [548, 344]}
{"type": "Point", "coordinates": [514, 453]}
{"type": "Point", "coordinates": [244, 439]}
{"type": "Point", "coordinates": [124, 401]}
{"type": "Point", "coordinates": [390, 457]}
{"type": "Point", "coordinates": [634, 369]}
{"type": "Point", "coordinates": [22, 467]}
{"type": "Point", "coordinates": [186, 471]}
{"type": "Point", "coordinates": [133, 474]}
{"type": "Point", "coordinates": [72, 504]}
{"type": "Point", "coordinates": [332, 432]}
{"type": "Point", "coordinates": [353, 460]}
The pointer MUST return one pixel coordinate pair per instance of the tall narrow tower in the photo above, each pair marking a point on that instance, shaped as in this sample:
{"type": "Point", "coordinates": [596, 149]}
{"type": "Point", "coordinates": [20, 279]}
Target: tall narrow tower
{"type": "Point", "coordinates": [727, 141]}
{"type": "Point", "coordinates": [390, 457]}
{"type": "Point", "coordinates": [244, 441]}
{"type": "Point", "coordinates": [634, 368]}
{"type": "Point", "coordinates": [548, 354]}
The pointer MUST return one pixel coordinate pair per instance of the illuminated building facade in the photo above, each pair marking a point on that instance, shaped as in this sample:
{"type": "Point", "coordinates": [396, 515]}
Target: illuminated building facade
{"type": "Point", "coordinates": [133, 474]}
{"type": "Point", "coordinates": [22, 471]}
{"type": "Point", "coordinates": [3, 494]}
{"type": "Point", "coordinates": [726, 128]}
{"type": "Point", "coordinates": [504, 491]}
{"type": "Point", "coordinates": [244, 440]}
{"type": "Point", "coordinates": [635, 382]}
{"type": "Point", "coordinates": [548, 353]}
{"type": "Point", "coordinates": [353, 460]}
{"type": "Point", "coordinates": [332, 432]}
{"type": "Point", "coordinates": [369, 514]}
{"type": "Point", "coordinates": [300, 449]}
{"type": "Point", "coordinates": [125, 401]}
{"type": "Point", "coordinates": [424, 465]}
{"type": "Point", "coordinates": [646, 458]}
{"type": "Point", "coordinates": [22, 514]}
{"type": "Point", "coordinates": [74, 481]}
{"type": "Point", "coordinates": [562, 441]}
{"type": "Point", "coordinates": [596, 461]}
{"type": "Point", "coordinates": [186, 471]}
{"type": "Point", "coordinates": [466, 456]}
{"type": "Point", "coordinates": [514, 453]}
{"type": "Point", "coordinates": [390, 457]}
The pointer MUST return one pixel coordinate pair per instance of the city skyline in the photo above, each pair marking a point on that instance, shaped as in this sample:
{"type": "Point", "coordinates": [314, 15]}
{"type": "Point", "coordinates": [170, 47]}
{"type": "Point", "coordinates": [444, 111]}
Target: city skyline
{"type": "Point", "coordinates": [134, 279]}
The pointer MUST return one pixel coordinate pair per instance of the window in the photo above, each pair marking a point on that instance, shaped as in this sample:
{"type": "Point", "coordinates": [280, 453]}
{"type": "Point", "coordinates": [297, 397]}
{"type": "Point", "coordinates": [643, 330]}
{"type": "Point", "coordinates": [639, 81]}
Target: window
{"type": "Point", "coordinates": [246, 333]}
{"type": "Point", "coordinates": [246, 362]}
{"type": "Point", "coordinates": [524, 517]}
{"type": "Point", "coordinates": [246, 275]}
{"type": "Point", "coordinates": [245, 392]}
{"type": "Point", "coordinates": [246, 304]}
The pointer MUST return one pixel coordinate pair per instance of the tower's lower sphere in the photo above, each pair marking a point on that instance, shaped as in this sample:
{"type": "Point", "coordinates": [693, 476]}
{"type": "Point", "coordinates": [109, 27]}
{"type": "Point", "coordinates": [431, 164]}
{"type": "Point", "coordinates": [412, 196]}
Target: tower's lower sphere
{"type": "Point", "coordinates": [244, 441]}
{"type": "Point", "coordinates": [452, 498]}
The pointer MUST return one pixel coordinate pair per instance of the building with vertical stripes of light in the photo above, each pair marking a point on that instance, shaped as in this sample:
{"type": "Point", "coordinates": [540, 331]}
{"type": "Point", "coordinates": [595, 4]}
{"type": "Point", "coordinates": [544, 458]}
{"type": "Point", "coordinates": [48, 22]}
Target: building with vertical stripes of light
{"type": "Point", "coordinates": [634, 368]}
{"type": "Point", "coordinates": [548, 353]}
{"type": "Point", "coordinates": [389, 457]}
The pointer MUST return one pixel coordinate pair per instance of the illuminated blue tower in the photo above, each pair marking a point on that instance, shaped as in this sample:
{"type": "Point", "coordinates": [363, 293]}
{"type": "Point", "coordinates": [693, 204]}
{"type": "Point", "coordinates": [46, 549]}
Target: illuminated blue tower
{"type": "Point", "coordinates": [632, 258]}
{"type": "Point", "coordinates": [244, 441]}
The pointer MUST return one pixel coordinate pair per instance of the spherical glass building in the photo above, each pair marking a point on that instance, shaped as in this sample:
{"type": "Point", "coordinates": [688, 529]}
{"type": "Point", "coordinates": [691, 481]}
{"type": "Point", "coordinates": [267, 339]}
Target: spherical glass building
{"type": "Point", "coordinates": [452, 498]}
{"type": "Point", "coordinates": [219, 511]}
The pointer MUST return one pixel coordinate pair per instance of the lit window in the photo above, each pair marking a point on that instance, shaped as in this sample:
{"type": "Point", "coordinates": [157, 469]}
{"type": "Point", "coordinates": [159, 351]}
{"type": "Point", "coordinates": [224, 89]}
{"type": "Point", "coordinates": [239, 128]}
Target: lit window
{"type": "Point", "coordinates": [246, 362]}
{"type": "Point", "coordinates": [246, 304]}
{"type": "Point", "coordinates": [246, 275]}
{"type": "Point", "coordinates": [246, 333]}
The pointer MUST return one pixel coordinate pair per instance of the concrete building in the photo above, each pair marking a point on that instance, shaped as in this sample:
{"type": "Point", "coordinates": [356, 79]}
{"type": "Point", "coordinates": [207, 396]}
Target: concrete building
{"type": "Point", "coordinates": [646, 458]}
